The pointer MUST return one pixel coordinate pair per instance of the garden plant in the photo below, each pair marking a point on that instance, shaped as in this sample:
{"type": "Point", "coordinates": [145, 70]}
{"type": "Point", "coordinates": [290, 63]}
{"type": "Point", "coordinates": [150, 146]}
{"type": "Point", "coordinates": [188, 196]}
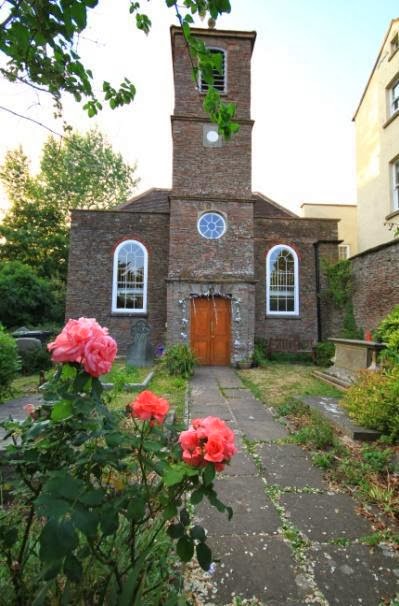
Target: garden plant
{"type": "Point", "coordinates": [95, 498]}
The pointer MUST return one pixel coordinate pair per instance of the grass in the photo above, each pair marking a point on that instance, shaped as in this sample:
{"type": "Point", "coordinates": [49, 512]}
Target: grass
{"type": "Point", "coordinates": [275, 382]}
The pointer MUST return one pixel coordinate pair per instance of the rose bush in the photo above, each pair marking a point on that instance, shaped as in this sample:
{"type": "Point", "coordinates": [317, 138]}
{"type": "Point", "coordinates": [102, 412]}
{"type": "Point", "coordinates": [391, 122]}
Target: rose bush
{"type": "Point", "coordinates": [96, 497]}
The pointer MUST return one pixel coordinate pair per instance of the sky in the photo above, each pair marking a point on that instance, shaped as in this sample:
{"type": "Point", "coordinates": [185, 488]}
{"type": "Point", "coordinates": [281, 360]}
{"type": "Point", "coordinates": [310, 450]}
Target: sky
{"type": "Point", "coordinates": [311, 62]}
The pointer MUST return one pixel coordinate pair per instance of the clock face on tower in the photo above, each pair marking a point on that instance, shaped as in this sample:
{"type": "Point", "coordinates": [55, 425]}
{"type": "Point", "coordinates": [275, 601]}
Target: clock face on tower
{"type": "Point", "coordinates": [211, 226]}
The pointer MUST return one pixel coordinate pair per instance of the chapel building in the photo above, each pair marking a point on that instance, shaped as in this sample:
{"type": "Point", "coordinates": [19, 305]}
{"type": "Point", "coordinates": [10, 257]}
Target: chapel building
{"type": "Point", "coordinates": [208, 263]}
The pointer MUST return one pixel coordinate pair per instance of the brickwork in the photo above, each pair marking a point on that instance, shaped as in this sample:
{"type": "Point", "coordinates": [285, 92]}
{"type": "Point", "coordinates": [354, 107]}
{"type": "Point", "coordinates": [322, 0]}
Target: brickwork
{"type": "Point", "coordinates": [94, 236]}
{"type": "Point", "coordinates": [375, 284]}
{"type": "Point", "coordinates": [297, 332]}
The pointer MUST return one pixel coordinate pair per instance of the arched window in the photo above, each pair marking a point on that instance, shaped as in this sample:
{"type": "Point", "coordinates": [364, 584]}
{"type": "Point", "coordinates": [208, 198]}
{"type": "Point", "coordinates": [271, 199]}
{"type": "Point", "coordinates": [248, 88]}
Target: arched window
{"type": "Point", "coordinates": [218, 75]}
{"type": "Point", "coordinates": [282, 281]}
{"type": "Point", "coordinates": [129, 288]}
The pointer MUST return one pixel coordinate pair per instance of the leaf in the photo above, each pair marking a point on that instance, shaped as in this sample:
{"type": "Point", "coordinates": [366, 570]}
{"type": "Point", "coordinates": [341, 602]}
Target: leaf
{"type": "Point", "coordinates": [51, 570]}
{"type": "Point", "coordinates": [129, 587]}
{"type": "Point", "coordinates": [136, 509]}
{"type": "Point", "coordinates": [57, 540]}
{"type": "Point", "coordinates": [78, 12]}
{"type": "Point", "coordinates": [109, 521]}
{"type": "Point", "coordinates": [61, 411]}
{"type": "Point", "coordinates": [198, 533]}
{"type": "Point", "coordinates": [92, 497]}
{"type": "Point", "coordinates": [64, 485]}
{"type": "Point", "coordinates": [185, 548]}
{"type": "Point", "coordinates": [73, 568]}
{"type": "Point", "coordinates": [86, 521]}
{"type": "Point", "coordinates": [40, 597]}
{"type": "Point", "coordinates": [197, 496]}
{"type": "Point", "coordinates": [204, 556]}
{"type": "Point", "coordinates": [175, 531]}
{"type": "Point", "coordinates": [174, 475]}
{"type": "Point", "coordinates": [170, 511]}
{"type": "Point", "coordinates": [209, 474]}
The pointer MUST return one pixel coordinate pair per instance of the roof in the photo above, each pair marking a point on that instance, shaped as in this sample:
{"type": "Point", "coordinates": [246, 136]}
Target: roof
{"type": "Point", "coordinates": [339, 204]}
{"type": "Point", "coordinates": [280, 207]}
{"type": "Point", "coordinates": [396, 20]}
{"type": "Point", "coordinates": [144, 194]}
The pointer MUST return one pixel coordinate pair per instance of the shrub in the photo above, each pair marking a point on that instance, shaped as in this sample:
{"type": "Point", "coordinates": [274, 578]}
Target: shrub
{"type": "Point", "coordinates": [324, 351]}
{"type": "Point", "coordinates": [260, 355]}
{"type": "Point", "coordinates": [34, 361]}
{"type": "Point", "coordinates": [373, 401]}
{"type": "Point", "coordinates": [179, 360]}
{"type": "Point", "coordinates": [9, 363]}
{"type": "Point", "coordinates": [318, 434]}
{"type": "Point", "coordinates": [388, 329]}
{"type": "Point", "coordinates": [26, 298]}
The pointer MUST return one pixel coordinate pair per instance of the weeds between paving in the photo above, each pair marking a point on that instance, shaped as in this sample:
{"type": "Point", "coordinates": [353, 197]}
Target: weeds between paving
{"type": "Point", "coordinates": [367, 471]}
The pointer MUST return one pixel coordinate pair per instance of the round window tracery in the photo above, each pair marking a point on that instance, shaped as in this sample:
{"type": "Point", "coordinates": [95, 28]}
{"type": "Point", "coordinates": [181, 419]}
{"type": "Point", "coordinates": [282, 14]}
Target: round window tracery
{"type": "Point", "coordinates": [211, 226]}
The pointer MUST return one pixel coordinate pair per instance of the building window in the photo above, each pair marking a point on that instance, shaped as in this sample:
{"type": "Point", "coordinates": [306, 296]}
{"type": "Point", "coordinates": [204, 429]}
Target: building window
{"type": "Point", "coordinates": [344, 251]}
{"type": "Point", "coordinates": [129, 290]}
{"type": "Point", "coordinates": [218, 75]}
{"type": "Point", "coordinates": [394, 97]}
{"type": "Point", "coordinates": [395, 185]}
{"type": "Point", "coordinates": [395, 44]}
{"type": "Point", "coordinates": [282, 281]}
{"type": "Point", "coordinates": [211, 226]}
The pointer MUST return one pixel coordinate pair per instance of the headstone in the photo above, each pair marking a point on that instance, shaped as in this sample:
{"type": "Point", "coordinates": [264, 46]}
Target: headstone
{"type": "Point", "coordinates": [28, 345]}
{"type": "Point", "coordinates": [24, 332]}
{"type": "Point", "coordinates": [140, 352]}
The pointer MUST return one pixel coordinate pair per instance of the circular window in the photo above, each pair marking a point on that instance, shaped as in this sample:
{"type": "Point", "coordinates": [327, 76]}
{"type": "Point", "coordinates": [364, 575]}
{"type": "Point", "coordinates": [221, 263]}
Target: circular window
{"type": "Point", "coordinates": [212, 136]}
{"type": "Point", "coordinates": [211, 226]}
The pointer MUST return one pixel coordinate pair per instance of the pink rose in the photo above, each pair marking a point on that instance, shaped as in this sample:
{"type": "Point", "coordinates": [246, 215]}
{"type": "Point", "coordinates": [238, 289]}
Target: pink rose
{"type": "Point", "coordinates": [69, 345]}
{"type": "Point", "coordinates": [188, 440]}
{"type": "Point", "coordinates": [99, 353]}
{"type": "Point", "coordinates": [149, 407]}
{"type": "Point", "coordinates": [214, 449]}
{"type": "Point", "coordinates": [194, 458]}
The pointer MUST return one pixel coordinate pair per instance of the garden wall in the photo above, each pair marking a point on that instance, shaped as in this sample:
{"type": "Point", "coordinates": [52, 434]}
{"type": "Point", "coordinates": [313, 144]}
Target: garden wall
{"type": "Point", "coordinates": [375, 283]}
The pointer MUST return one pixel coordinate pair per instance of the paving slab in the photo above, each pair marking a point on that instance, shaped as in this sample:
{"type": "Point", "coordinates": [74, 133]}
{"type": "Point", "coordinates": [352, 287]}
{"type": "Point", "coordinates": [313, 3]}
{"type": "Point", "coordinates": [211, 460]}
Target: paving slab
{"type": "Point", "coordinates": [262, 430]}
{"type": "Point", "coordinates": [252, 566]}
{"type": "Point", "coordinates": [237, 393]}
{"type": "Point", "coordinates": [240, 465]}
{"type": "Point", "coordinates": [253, 510]}
{"type": "Point", "coordinates": [252, 412]}
{"type": "Point", "coordinates": [226, 377]}
{"type": "Point", "coordinates": [322, 517]}
{"type": "Point", "coordinates": [288, 465]}
{"type": "Point", "coordinates": [354, 574]}
{"type": "Point", "coordinates": [211, 410]}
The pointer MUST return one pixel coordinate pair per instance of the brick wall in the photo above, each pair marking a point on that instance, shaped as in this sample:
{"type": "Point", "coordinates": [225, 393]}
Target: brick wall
{"type": "Point", "coordinates": [94, 236]}
{"type": "Point", "coordinates": [375, 284]}
{"type": "Point", "coordinates": [300, 331]}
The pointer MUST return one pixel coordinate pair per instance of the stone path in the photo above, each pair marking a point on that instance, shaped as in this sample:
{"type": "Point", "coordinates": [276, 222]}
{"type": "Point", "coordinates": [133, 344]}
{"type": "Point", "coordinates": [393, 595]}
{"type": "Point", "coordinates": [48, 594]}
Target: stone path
{"type": "Point", "coordinates": [291, 541]}
{"type": "Point", "coordinates": [15, 409]}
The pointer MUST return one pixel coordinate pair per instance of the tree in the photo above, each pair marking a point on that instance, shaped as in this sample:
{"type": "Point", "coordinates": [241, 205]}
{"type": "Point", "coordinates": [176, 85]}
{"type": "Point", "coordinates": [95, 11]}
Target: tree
{"type": "Point", "coordinates": [39, 40]}
{"type": "Point", "coordinates": [79, 171]}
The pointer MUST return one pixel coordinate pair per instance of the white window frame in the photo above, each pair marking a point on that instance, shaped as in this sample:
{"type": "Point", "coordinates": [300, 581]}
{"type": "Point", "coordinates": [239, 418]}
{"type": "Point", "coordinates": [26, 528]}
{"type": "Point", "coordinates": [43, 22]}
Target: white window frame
{"type": "Point", "coordinates": [395, 184]}
{"type": "Point", "coordinates": [283, 314]}
{"type": "Point", "coordinates": [346, 248]}
{"type": "Point", "coordinates": [115, 308]}
{"type": "Point", "coordinates": [200, 86]}
{"type": "Point", "coordinates": [394, 97]}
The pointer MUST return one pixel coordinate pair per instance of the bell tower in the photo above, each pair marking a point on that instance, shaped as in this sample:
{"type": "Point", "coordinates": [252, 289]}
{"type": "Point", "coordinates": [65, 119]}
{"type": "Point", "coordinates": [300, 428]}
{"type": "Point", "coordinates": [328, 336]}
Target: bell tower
{"type": "Point", "coordinates": [211, 243]}
{"type": "Point", "coordinates": [203, 163]}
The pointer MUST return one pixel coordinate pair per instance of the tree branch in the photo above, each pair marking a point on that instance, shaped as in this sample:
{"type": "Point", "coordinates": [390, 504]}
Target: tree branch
{"type": "Point", "coordinates": [11, 111]}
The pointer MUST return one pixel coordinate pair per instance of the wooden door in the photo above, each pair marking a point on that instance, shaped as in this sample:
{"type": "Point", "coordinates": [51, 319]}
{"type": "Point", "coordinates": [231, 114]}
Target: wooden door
{"type": "Point", "coordinates": [211, 330]}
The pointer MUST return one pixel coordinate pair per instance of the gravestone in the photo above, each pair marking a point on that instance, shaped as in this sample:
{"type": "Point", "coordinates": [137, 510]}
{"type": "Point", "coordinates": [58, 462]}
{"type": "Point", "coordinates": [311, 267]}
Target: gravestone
{"type": "Point", "coordinates": [28, 345]}
{"type": "Point", "coordinates": [140, 352]}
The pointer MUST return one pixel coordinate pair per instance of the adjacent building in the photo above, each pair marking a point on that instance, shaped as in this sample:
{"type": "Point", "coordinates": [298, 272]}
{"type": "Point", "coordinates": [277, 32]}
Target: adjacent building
{"type": "Point", "coordinates": [346, 214]}
{"type": "Point", "coordinates": [377, 147]}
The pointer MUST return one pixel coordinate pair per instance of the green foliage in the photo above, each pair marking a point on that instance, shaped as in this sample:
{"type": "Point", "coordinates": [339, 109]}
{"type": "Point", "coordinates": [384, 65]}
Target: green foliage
{"type": "Point", "coordinates": [40, 44]}
{"type": "Point", "coordinates": [26, 298]}
{"type": "Point", "coordinates": [339, 291]}
{"type": "Point", "coordinates": [318, 434]}
{"type": "Point", "coordinates": [292, 407]}
{"type": "Point", "coordinates": [179, 360]}
{"type": "Point", "coordinates": [97, 503]}
{"type": "Point", "coordinates": [324, 352]}
{"type": "Point", "coordinates": [373, 401]}
{"type": "Point", "coordinates": [388, 332]}
{"type": "Point", "coordinates": [324, 460]}
{"type": "Point", "coordinates": [9, 363]}
{"type": "Point", "coordinates": [34, 361]}
{"type": "Point", "coordinates": [80, 171]}
{"type": "Point", "coordinates": [260, 355]}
